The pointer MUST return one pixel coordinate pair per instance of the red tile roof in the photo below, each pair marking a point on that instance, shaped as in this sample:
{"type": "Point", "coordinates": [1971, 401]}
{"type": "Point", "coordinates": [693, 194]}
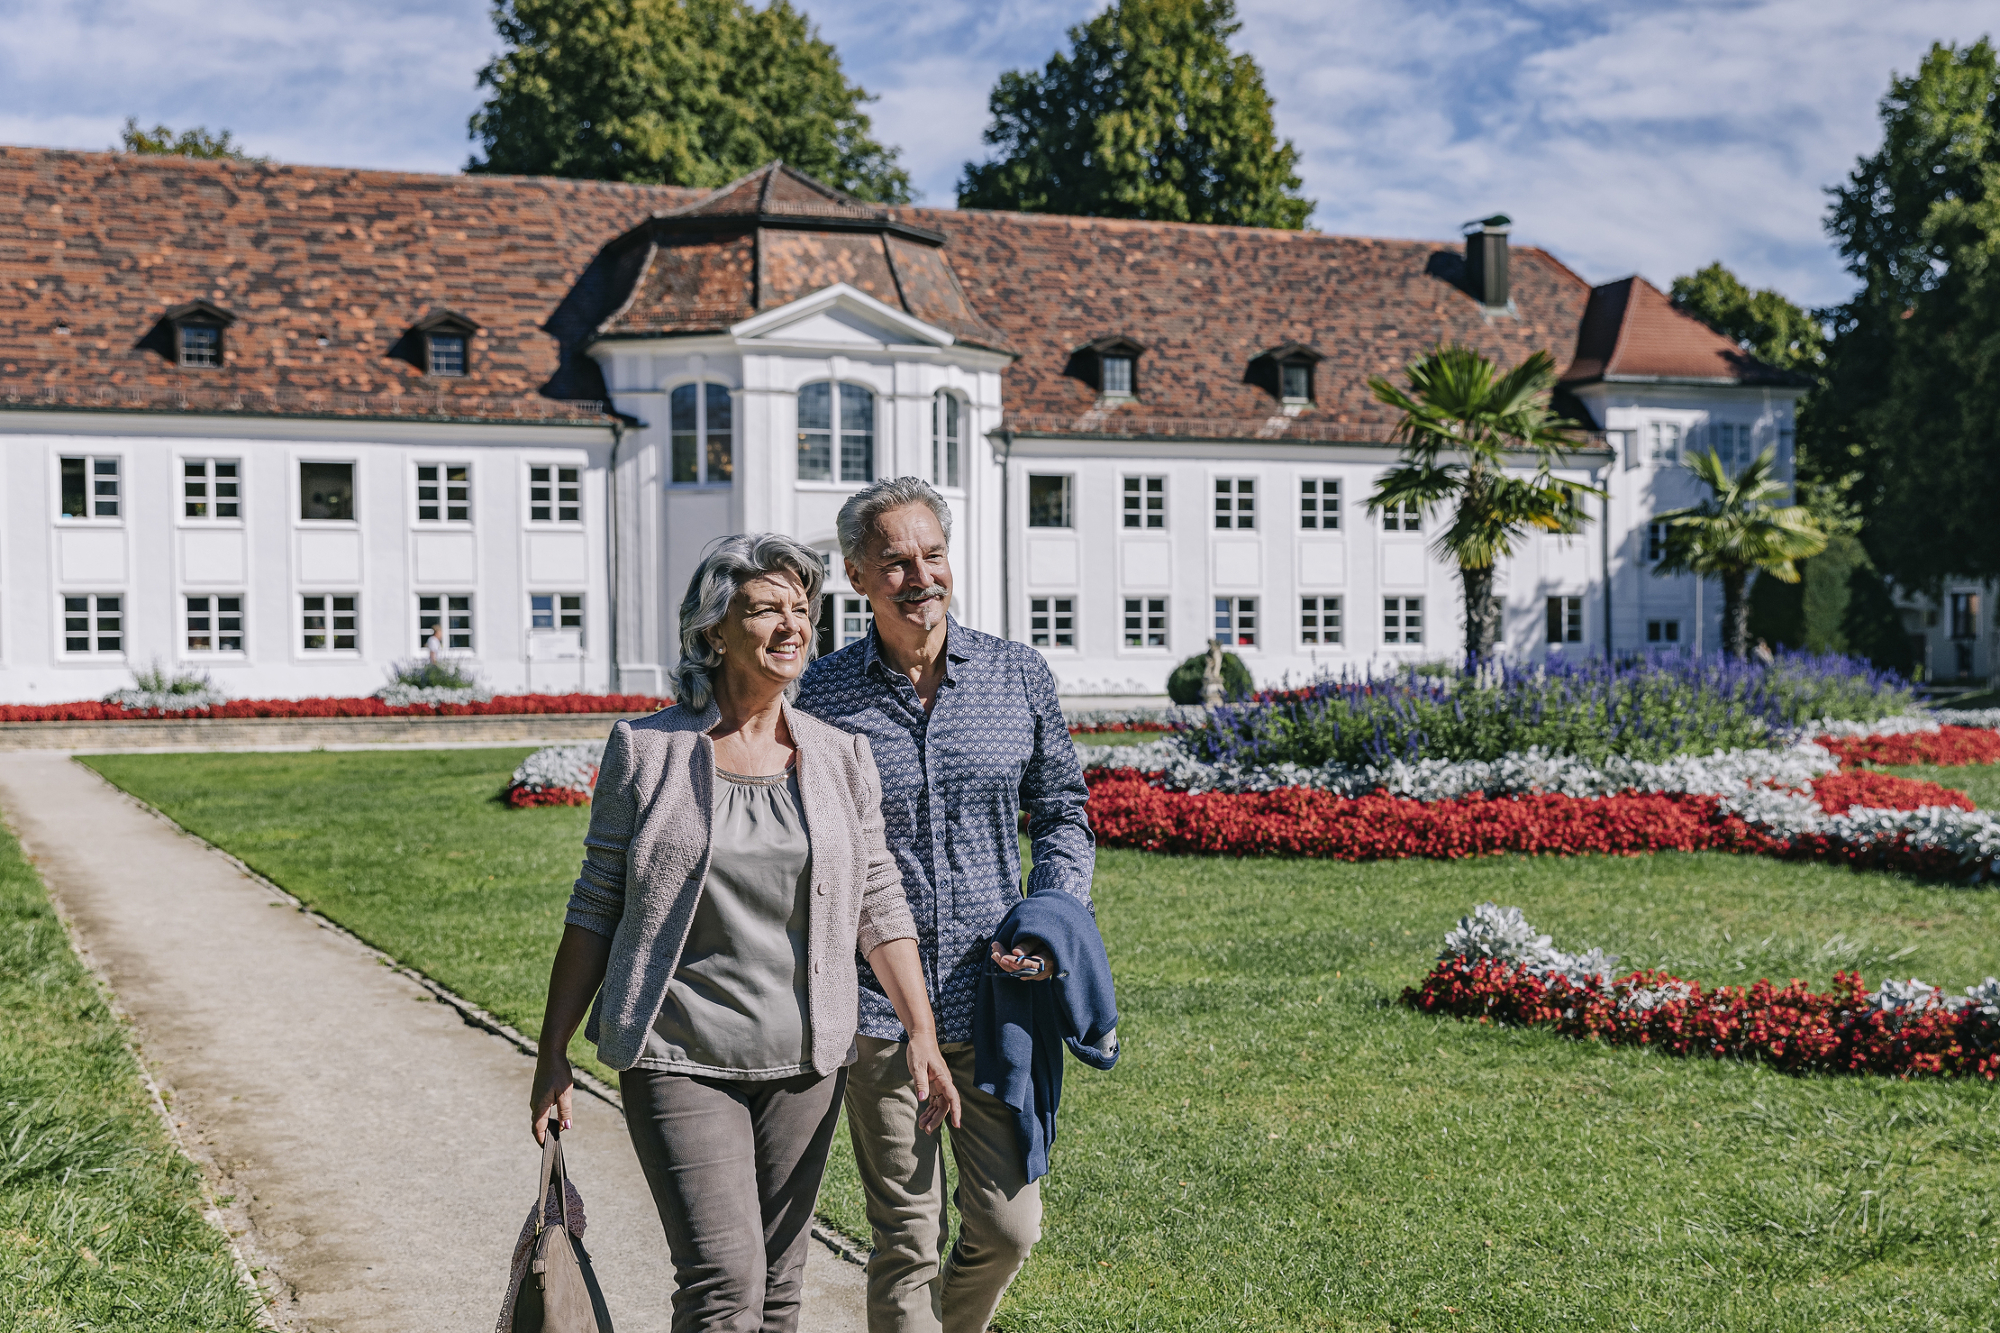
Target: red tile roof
{"type": "Point", "coordinates": [95, 248]}
{"type": "Point", "coordinates": [326, 272]}
{"type": "Point", "coordinates": [1632, 332]}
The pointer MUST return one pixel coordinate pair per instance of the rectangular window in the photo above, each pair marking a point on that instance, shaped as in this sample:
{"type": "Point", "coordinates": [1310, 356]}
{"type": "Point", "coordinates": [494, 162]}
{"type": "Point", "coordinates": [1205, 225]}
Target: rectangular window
{"type": "Point", "coordinates": [1236, 621]}
{"type": "Point", "coordinates": [450, 615]}
{"type": "Point", "coordinates": [554, 610]}
{"type": "Point", "coordinates": [215, 624]}
{"type": "Point", "coordinates": [210, 488]}
{"type": "Point", "coordinates": [1297, 382]}
{"type": "Point", "coordinates": [552, 495]}
{"type": "Point", "coordinates": [1565, 619]}
{"type": "Point", "coordinates": [326, 491]}
{"type": "Point", "coordinates": [947, 439]}
{"type": "Point", "coordinates": [1145, 622]}
{"type": "Point", "coordinates": [855, 617]}
{"type": "Point", "coordinates": [1319, 504]}
{"type": "Point", "coordinates": [1145, 502]}
{"type": "Point", "coordinates": [1049, 502]}
{"type": "Point", "coordinates": [446, 353]}
{"type": "Point", "coordinates": [94, 623]}
{"type": "Point", "coordinates": [1732, 443]}
{"type": "Point", "coordinates": [1319, 620]}
{"type": "Point", "coordinates": [1118, 377]}
{"type": "Point", "coordinates": [201, 345]}
{"type": "Point", "coordinates": [444, 493]}
{"type": "Point", "coordinates": [1052, 622]}
{"type": "Point", "coordinates": [1402, 516]}
{"type": "Point", "coordinates": [1402, 620]}
{"type": "Point", "coordinates": [1663, 631]}
{"type": "Point", "coordinates": [90, 487]}
{"type": "Point", "coordinates": [1665, 440]}
{"type": "Point", "coordinates": [328, 622]}
{"type": "Point", "coordinates": [1965, 615]}
{"type": "Point", "coordinates": [1235, 502]}
{"type": "Point", "coordinates": [1656, 542]}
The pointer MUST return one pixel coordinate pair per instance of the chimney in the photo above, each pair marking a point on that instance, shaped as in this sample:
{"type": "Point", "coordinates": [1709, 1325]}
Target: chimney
{"type": "Point", "coordinates": [1486, 260]}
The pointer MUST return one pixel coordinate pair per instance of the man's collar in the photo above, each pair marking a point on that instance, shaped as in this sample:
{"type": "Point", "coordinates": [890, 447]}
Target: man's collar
{"type": "Point", "coordinates": [955, 649]}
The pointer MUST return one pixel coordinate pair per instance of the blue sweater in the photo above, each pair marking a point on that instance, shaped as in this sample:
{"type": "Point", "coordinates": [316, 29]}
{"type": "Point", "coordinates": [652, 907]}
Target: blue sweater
{"type": "Point", "coordinates": [1019, 1028]}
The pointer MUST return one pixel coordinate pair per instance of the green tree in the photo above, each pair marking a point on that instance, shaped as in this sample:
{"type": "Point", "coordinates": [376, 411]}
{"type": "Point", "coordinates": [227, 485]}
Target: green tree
{"type": "Point", "coordinates": [1841, 604]}
{"type": "Point", "coordinates": [1763, 323]}
{"type": "Point", "coordinates": [674, 92]}
{"type": "Point", "coordinates": [1149, 115]}
{"type": "Point", "coordinates": [1466, 432]}
{"type": "Point", "coordinates": [1911, 406]}
{"type": "Point", "coordinates": [1736, 534]}
{"type": "Point", "coordinates": [160, 141]}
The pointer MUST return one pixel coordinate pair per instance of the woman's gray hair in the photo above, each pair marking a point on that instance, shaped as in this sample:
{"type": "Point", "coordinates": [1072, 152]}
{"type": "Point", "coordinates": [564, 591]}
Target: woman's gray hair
{"type": "Point", "coordinates": [863, 507]}
{"type": "Point", "coordinates": [729, 563]}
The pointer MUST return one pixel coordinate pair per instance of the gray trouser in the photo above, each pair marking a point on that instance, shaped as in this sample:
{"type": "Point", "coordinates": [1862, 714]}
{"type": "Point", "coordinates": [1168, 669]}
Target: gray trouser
{"type": "Point", "coordinates": [913, 1287]}
{"type": "Point", "coordinates": [735, 1169]}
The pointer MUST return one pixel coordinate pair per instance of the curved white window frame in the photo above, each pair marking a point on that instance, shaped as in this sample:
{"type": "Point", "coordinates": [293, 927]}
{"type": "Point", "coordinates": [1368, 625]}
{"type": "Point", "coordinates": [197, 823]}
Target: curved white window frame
{"type": "Point", "coordinates": [836, 432]}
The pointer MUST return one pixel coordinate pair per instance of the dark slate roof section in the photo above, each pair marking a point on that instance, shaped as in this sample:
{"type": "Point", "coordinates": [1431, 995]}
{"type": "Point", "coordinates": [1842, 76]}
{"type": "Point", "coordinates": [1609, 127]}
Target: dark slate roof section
{"type": "Point", "coordinates": [1632, 333]}
{"type": "Point", "coordinates": [1205, 302]}
{"type": "Point", "coordinates": [96, 248]}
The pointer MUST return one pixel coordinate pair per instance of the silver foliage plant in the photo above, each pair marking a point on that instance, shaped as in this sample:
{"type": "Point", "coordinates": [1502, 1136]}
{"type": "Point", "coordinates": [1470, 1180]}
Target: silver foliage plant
{"type": "Point", "coordinates": [561, 767]}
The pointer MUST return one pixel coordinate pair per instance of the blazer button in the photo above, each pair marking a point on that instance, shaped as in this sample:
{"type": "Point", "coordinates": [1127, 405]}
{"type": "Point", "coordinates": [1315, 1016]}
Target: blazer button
{"type": "Point", "coordinates": [821, 890]}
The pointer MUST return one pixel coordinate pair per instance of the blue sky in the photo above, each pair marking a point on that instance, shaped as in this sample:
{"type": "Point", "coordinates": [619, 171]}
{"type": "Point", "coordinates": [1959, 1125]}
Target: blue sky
{"type": "Point", "coordinates": [1626, 137]}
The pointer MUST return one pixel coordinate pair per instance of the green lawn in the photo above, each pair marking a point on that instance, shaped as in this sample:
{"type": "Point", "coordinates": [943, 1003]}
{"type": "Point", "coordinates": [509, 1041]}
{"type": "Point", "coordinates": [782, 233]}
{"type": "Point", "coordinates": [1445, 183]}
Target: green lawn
{"type": "Point", "coordinates": [1980, 781]}
{"type": "Point", "coordinates": [1283, 1147]}
{"type": "Point", "coordinates": [100, 1217]}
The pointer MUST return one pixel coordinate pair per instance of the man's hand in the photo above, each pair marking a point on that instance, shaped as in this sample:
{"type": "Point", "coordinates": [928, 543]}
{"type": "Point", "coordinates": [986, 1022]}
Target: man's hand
{"type": "Point", "coordinates": [1026, 961]}
{"type": "Point", "coordinates": [932, 1076]}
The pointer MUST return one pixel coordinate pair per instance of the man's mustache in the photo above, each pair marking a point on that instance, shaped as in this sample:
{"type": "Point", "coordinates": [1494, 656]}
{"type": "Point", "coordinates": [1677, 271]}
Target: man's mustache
{"type": "Point", "coordinates": [933, 593]}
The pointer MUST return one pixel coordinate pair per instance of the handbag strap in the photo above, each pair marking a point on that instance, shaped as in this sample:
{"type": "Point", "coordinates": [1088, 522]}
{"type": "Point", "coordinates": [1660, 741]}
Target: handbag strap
{"type": "Point", "coordinates": [552, 1167]}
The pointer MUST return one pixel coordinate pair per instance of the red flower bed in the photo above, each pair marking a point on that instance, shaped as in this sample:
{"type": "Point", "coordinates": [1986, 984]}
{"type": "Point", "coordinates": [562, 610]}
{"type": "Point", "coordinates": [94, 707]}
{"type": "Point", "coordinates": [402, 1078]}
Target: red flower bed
{"type": "Point", "coordinates": [1883, 791]}
{"type": "Point", "coordinates": [505, 704]}
{"type": "Point", "coordinates": [1127, 811]}
{"type": "Point", "coordinates": [1949, 747]}
{"type": "Point", "coordinates": [523, 798]}
{"type": "Point", "coordinates": [1791, 1026]}
{"type": "Point", "coordinates": [1100, 728]}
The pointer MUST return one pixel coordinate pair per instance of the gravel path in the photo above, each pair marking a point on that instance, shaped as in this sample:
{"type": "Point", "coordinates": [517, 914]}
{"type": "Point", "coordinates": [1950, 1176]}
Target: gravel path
{"type": "Point", "coordinates": [367, 1145]}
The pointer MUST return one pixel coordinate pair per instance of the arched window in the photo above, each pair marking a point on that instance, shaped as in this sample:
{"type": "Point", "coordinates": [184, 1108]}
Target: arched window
{"type": "Point", "coordinates": [849, 439]}
{"type": "Point", "coordinates": [947, 439]}
{"type": "Point", "coordinates": [700, 426]}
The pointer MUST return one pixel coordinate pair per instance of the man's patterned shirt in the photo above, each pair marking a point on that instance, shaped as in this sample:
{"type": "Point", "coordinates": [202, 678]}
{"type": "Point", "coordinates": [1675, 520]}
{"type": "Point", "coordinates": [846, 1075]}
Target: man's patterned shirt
{"type": "Point", "coordinates": [953, 788]}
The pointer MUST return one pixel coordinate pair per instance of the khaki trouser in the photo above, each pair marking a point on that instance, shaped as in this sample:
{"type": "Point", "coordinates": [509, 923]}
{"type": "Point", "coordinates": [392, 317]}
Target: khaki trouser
{"type": "Point", "coordinates": [913, 1285]}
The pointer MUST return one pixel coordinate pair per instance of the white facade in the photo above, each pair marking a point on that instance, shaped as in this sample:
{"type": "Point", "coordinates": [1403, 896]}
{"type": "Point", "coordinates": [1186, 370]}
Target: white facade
{"type": "Point", "coordinates": [1114, 593]}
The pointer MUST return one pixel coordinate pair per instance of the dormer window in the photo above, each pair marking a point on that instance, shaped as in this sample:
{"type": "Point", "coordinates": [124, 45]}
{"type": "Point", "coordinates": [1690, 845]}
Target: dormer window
{"type": "Point", "coordinates": [1117, 377]}
{"type": "Point", "coordinates": [1286, 373]}
{"type": "Point", "coordinates": [439, 345]}
{"type": "Point", "coordinates": [444, 353]}
{"type": "Point", "coordinates": [1109, 365]}
{"type": "Point", "coordinates": [191, 335]}
{"type": "Point", "coordinates": [201, 345]}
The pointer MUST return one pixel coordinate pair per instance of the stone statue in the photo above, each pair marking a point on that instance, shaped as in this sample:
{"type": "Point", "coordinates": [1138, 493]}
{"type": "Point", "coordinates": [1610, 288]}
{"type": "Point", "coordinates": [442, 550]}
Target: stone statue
{"type": "Point", "coordinates": [1211, 675]}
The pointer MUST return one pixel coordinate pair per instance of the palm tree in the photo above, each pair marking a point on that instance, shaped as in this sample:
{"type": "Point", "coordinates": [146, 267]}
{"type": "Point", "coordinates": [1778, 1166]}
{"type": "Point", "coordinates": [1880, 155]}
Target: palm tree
{"type": "Point", "coordinates": [1466, 430]}
{"type": "Point", "coordinates": [1736, 533]}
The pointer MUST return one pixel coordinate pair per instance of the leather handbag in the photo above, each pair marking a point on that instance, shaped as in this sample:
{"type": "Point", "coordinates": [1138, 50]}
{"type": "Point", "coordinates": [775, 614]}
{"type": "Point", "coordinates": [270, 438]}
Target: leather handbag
{"type": "Point", "coordinates": [552, 1288]}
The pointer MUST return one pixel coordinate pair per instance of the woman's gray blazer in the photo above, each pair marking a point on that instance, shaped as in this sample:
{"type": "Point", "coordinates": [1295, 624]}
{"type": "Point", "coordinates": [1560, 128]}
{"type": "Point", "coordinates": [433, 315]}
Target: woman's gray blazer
{"type": "Point", "coordinates": [646, 856]}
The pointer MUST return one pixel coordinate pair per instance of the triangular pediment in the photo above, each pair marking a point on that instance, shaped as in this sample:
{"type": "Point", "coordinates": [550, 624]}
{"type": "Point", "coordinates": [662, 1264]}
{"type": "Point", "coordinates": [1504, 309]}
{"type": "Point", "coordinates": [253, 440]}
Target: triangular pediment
{"type": "Point", "coordinates": [839, 316]}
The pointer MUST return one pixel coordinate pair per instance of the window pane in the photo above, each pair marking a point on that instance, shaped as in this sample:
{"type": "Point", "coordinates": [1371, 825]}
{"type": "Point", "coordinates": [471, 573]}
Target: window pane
{"type": "Point", "coordinates": [539, 510]}
{"type": "Point", "coordinates": [541, 611]}
{"type": "Point", "coordinates": [447, 354]}
{"type": "Point", "coordinates": [226, 490]}
{"type": "Point", "coordinates": [1048, 502]}
{"type": "Point", "coordinates": [569, 610]}
{"type": "Point", "coordinates": [326, 491]}
{"type": "Point", "coordinates": [458, 494]}
{"type": "Point", "coordinates": [568, 506]}
{"type": "Point", "coordinates": [1118, 374]}
{"type": "Point", "coordinates": [201, 345]}
{"type": "Point", "coordinates": [104, 487]}
{"type": "Point", "coordinates": [816, 432]}
{"type": "Point", "coordinates": [1298, 380]}
{"type": "Point", "coordinates": [945, 439]}
{"type": "Point", "coordinates": [721, 466]}
{"type": "Point", "coordinates": [194, 488]}
{"type": "Point", "coordinates": [683, 407]}
{"type": "Point", "coordinates": [857, 433]}
{"type": "Point", "coordinates": [73, 489]}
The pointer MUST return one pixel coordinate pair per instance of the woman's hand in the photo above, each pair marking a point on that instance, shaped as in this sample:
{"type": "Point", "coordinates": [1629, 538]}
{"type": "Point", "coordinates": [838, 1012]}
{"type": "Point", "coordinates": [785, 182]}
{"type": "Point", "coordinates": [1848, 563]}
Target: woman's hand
{"type": "Point", "coordinates": [935, 1090]}
{"type": "Point", "coordinates": [1026, 961]}
{"type": "Point", "coordinates": [553, 1083]}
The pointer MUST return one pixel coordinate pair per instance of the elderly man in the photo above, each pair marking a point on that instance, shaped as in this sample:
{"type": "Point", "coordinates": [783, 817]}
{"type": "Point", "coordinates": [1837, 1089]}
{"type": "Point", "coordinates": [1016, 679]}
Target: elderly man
{"type": "Point", "coordinates": [967, 732]}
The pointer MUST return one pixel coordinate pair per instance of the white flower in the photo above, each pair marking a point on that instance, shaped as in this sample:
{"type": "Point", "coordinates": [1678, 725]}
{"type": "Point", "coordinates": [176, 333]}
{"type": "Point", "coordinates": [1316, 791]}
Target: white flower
{"type": "Point", "coordinates": [561, 767]}
{"type": "Point", "coordinates": [402, 696]}
{"type": "Point", "coordinates": [1501, 933]}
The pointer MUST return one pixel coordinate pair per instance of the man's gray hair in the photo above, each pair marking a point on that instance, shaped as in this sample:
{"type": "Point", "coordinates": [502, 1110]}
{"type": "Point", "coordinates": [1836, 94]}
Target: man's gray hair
{"type": "Point", "coordinates": [868, 504]}
{"type": "Point", "coordinates": [730, 563]}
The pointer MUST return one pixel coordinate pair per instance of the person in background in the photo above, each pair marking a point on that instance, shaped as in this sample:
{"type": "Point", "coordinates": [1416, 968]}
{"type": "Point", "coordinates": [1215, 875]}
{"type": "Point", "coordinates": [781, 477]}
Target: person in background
{"type": "Point", "coordinates": [434, 645]}
{"type": "Point", "coordinates": [733, 873]}
{"type": "Point", "coordinates": [967, 732]}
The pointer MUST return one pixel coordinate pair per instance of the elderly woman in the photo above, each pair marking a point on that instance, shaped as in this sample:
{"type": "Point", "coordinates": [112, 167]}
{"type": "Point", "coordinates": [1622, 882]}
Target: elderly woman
{"type": "Point", "coordinates": [734, 869]}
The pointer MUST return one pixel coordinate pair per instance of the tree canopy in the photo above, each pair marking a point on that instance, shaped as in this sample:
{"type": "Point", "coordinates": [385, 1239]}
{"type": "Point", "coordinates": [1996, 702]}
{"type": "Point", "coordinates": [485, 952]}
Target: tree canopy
{"type": "Point", "coordinates": [161, 141]}
{"type": "Point", "coordinates": [1148, 115]}
{"type": "Point", "coordinates": [1763, 323]}
{"type": "Point", "coordinates": [1911, 407]}
{"type": "Point", "coordinates": [674, 92]}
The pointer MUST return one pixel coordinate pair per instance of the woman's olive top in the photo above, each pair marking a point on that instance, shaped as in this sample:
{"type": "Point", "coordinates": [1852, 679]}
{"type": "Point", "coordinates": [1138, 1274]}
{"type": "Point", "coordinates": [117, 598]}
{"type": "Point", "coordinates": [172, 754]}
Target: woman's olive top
{"type": "Point", "coordinates": [650, 850]}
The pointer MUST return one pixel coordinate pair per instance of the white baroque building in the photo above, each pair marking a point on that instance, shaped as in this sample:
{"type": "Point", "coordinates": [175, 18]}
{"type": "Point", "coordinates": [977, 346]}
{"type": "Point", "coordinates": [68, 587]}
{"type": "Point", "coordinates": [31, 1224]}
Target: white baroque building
{"type": "Point", "coordinates": [272, 423]}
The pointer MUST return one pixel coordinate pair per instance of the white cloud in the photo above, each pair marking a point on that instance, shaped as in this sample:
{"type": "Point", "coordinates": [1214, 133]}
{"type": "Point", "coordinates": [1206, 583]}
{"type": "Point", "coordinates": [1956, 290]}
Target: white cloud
{"type": "Point", "coordinates": [1625, 135]}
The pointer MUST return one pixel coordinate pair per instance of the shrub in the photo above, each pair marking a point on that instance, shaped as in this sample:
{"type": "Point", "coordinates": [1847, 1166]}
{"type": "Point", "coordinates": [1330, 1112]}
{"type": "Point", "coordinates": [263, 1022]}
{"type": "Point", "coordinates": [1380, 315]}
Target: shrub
{"type": "Point", "coordinates": [423, 674]}
{"type": "Point", "coordinates": [154, 687]}
{"type": "Point", "coordinates": [1184, 685]}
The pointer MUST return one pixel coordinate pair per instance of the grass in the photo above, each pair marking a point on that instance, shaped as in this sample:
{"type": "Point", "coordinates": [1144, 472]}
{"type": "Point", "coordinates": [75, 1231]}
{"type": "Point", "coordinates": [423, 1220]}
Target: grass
{"type": "Point", "coordinates": [101, 1221]}
{"type": "Point", "coordinates": [1283, 1147]}
{"type": "Point", "coordinates": [1979, 781]}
